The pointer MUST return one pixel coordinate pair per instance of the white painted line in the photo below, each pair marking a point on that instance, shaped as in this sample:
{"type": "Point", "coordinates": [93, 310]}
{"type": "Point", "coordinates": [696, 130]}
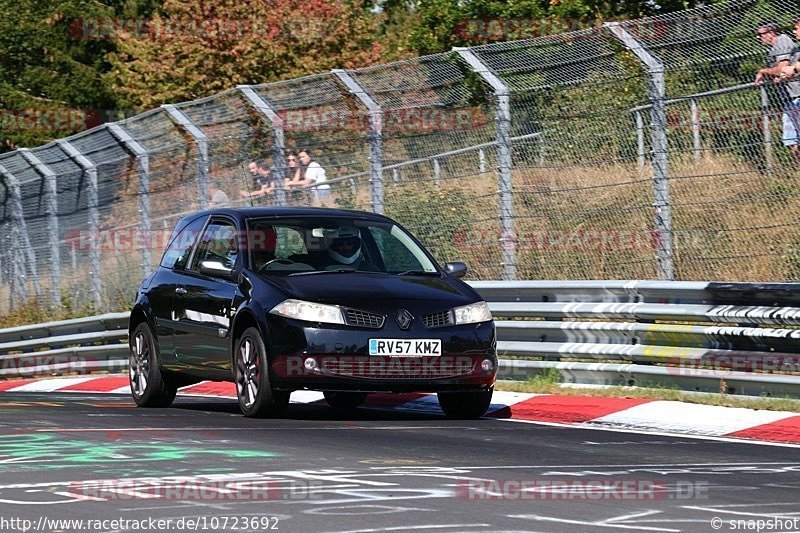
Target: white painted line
{"type": "Point", "coordinates": [636, 431]}
{"type": "Point", "coordinates": [678, 417]}
{"type": "Point", "coordinates": [50, 385]}
{"type": "Point", "coordinates": [306, 396]}
{"type": "Point", "coordinates": [412, 528]}
{"type": "Point", "coordinates": [593, 524]}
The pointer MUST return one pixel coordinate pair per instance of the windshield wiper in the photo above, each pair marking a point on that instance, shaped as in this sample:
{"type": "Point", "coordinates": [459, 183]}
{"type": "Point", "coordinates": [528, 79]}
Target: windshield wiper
{"type": "Point", "coordinates": [417, 273]}
{"type": "Point", "coordinates": [336, 271]}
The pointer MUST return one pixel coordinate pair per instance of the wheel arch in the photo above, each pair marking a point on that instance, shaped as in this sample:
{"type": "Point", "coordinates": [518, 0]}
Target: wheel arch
{"type": "Point", "coordinates": [244, 319]}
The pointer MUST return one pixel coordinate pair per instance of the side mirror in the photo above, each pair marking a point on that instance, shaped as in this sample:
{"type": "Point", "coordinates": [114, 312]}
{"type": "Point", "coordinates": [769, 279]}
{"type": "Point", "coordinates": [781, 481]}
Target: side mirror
{"type": "Point", "coordinates": [457, 270]}
{"type": "Point", "coordinates": [215, 269]}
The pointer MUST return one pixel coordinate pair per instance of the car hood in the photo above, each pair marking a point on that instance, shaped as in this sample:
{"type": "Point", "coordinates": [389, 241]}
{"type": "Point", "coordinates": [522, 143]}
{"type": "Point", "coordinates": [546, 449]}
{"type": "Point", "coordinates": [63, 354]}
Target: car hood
{"type": "Point", "coordinates": [350, 289]}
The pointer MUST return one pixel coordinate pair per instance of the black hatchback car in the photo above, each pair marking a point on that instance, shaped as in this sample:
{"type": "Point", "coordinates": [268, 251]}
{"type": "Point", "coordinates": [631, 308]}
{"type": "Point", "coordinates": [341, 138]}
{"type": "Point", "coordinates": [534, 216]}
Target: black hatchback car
{"type": "Point", "coordinates": [285, 299]}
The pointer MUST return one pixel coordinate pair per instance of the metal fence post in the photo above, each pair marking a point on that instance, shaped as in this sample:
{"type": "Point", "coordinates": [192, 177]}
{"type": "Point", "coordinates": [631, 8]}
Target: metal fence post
{"type": "Point", "coordinates": [437, 173]}
{"type": "Point", "coordinates": [765, 128]}
{"type": "Point", "coordinates": [481, 161]}
{"type": "Point", "coordinates": [94, 218]}
{"type": "Point", "coordinates": [51, 209]}
{"type": "Point", "coordinates": [696, 131]}
{"type": "Point", "coordinates": [640, 153]}
{"type": "Point", "coordinates": [660, 148]}
{"type": "Point", "coordinates": [504, 161]}
{"type": "Point", "coordinates": [21, 250]}
{"type": "Point", "coordinates": [375, 138]}
{"type": "Point", "coordinates": [278, 143]}
{"type": "Point", "coordinates": [201, 141]}
{"type": "Point", "coordinates": [143, 162]}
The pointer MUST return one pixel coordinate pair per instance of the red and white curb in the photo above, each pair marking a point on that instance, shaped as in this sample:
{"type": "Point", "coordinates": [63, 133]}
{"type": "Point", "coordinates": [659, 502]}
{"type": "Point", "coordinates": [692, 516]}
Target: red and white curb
{"type": "Point", "coordinates": [639, 415]}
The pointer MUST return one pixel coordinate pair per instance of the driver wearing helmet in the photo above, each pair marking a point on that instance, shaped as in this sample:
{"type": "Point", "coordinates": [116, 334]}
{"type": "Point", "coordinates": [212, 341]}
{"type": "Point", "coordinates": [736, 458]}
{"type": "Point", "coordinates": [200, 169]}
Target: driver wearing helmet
{"type": "Point", "coordinates": [344, 248]}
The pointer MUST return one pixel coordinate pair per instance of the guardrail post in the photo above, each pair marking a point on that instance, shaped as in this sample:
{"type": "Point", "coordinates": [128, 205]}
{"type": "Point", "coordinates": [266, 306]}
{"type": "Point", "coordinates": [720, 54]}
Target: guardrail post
{"type": "Point", "coordinates": [768, 154]}
{"type": "Point", "coordinates": [375, 138]}
{"type": "Point", "coordinates": [504, 161]}
{"type": "Point", "coordinates": [201, 141]}
{"type": "Point", "coordinates": [135, 148]}
{"type": "Point", "coordinates": [21, 251]}
{"type": "Point", "coordinates": [94, 218]}
{"type": "Point", "coordinates": [51, 209]}
{"type": "Point", "coordinates": [278, 143]}
{"type": "Point", "coordinates": [660, 148]}
{"type": "Point", "coordinates": [696, 131]}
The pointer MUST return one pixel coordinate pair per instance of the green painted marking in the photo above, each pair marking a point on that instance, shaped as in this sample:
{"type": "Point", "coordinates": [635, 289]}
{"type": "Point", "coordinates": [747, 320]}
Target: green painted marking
{"type": "Point", "coordinates": [50, 452]}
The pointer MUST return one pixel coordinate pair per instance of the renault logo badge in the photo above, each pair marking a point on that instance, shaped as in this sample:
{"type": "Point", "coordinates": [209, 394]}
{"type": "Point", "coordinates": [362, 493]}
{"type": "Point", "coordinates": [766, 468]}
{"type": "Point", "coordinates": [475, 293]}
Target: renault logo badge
{"type": "Point", "coordinates": [404, 319]}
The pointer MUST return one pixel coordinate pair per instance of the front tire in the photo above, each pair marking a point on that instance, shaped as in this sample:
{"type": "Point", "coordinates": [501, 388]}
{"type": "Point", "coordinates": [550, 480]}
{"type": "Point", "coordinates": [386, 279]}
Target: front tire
{"type": "Point", "coordinates": [256, 397]}
{"type": "Point", "coordinates": [465, 405]}
{"type": "Point", "coordinates": [150, 386]}
{"type": "Point", "coordinates": [344, 400]}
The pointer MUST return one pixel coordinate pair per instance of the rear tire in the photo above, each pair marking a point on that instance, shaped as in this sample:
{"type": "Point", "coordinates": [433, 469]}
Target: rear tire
{"type": "Point", "coordinates": [465, 405]}
{"type": "Point", "coordinates": [345, 400]}
{"type": "Point", "coordinates": [150, 385]}
{"type": "Point", "coordinates": [256, 397]}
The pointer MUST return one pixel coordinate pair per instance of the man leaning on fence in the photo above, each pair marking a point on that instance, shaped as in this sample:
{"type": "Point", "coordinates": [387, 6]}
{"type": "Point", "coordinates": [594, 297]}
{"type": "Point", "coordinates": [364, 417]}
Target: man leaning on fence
{"type": "Point", "coordinates": [782, 51]}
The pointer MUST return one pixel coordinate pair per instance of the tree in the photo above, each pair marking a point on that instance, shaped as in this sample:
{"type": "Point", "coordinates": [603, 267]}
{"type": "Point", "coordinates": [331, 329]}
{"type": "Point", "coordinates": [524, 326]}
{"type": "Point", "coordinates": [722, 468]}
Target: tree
{"type": "Point", "coordinates": [443, 24]}
{"type": "Point", "coordinates": [50, 77]}
{"type": "Point", "coordinates": [194, 48]}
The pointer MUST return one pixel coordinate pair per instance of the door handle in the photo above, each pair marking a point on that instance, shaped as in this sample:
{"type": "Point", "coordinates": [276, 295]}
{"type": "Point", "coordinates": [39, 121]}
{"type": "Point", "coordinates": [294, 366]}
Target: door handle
{"type": "Point", "coordinates": [180, 290]}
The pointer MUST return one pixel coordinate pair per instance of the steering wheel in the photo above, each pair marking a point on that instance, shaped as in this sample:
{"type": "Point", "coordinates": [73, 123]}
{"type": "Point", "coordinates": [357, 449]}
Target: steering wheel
{"type": "Point", "coordinates": [269, 264]}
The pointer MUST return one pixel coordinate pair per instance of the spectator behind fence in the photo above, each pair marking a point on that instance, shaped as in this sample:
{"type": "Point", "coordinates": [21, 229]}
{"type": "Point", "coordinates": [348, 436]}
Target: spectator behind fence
{"type": "Point", "coordinates": [316, 173]}
{"type": "Point", "coordinates": [263, 179]}
{"type": "Point", "coordinates": [217, 197]}
{"type": "Point", "coordinates": [792, 70]}
{"type": "Point", "coordinates": [781, 52]}
{"type": "Point", "coordinates": [294, 178]}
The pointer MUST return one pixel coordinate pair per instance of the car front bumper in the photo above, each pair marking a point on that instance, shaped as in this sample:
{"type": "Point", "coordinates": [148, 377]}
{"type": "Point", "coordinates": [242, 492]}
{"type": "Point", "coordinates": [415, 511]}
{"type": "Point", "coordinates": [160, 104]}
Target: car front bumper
{"type": "Point", "coordinates": [304, 356]}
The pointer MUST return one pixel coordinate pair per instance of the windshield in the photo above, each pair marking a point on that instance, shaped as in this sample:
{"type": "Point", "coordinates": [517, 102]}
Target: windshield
{"type": "Point", "coordinates": [285, 247]}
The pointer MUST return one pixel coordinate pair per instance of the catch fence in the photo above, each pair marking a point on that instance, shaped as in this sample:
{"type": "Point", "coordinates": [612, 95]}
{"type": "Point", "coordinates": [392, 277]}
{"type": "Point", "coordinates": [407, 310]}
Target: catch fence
{"type": "Point", "coordinates": [637, 149]}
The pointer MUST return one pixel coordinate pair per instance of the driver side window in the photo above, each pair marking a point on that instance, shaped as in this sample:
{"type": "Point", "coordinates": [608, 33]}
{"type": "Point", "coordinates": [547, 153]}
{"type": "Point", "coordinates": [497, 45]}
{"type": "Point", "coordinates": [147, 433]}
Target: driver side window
{"type": "Point", "coordinates": [219, 243]}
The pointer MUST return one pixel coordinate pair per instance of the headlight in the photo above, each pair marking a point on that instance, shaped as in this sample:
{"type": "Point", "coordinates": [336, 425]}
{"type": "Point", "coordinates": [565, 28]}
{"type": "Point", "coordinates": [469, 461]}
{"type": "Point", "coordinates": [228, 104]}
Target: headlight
{"type": "Point", "coordinates": [309, 311]}
{"type": "Point", "coordinates": [473, 313]}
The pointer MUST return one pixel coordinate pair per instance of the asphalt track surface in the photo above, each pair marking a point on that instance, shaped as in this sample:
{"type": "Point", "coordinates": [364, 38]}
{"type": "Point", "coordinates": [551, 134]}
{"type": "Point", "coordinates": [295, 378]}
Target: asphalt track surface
{"type": "Point", "coordinates": [367, 471]}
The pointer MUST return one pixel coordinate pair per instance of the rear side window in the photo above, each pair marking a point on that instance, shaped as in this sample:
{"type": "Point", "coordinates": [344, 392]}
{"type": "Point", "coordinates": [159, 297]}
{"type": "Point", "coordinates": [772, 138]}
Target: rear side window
{"type": "Point", "coordinates": [179, 249]}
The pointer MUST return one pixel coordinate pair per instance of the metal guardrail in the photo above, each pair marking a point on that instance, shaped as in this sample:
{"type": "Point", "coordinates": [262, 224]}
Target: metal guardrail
{"type": "Point", "coordinates": [737, 338]}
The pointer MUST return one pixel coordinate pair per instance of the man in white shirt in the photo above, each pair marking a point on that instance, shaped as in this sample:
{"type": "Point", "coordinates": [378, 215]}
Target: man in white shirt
{"type": "Point", "coordinates": [315, 174]}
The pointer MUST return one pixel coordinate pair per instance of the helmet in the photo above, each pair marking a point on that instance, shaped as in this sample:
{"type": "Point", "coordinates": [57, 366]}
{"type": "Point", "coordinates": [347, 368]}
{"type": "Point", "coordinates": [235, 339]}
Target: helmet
{"type": "Point", "coordinates": [262, 243]}
{"type": "Point", "coordinates": [343, 244]}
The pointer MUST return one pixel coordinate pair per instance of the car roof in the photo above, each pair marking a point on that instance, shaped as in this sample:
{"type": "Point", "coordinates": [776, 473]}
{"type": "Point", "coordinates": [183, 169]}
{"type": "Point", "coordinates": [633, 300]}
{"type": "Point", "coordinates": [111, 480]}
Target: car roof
{"type": "Point", "coordinates": [289, 211]}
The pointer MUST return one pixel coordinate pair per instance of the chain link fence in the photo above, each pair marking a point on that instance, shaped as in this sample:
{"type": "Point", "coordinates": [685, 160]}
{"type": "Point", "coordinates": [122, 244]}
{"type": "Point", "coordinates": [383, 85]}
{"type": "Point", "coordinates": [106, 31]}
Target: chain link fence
{"type": "Point", "coordinates": [633, 150]}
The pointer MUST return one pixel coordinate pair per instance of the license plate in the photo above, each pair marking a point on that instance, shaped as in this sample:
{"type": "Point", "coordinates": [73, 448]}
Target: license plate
{"type": "Point", "coordinates": [405, 347]}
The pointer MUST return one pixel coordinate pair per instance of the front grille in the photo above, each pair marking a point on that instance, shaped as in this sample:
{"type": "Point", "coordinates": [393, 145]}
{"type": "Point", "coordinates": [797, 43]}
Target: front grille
{"type": "Point", "coordinates": [399, 367]}
{"type": "Point", "coordinates": [363, 319]}
{"type": "Point", "coordinates": [438, 320]}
